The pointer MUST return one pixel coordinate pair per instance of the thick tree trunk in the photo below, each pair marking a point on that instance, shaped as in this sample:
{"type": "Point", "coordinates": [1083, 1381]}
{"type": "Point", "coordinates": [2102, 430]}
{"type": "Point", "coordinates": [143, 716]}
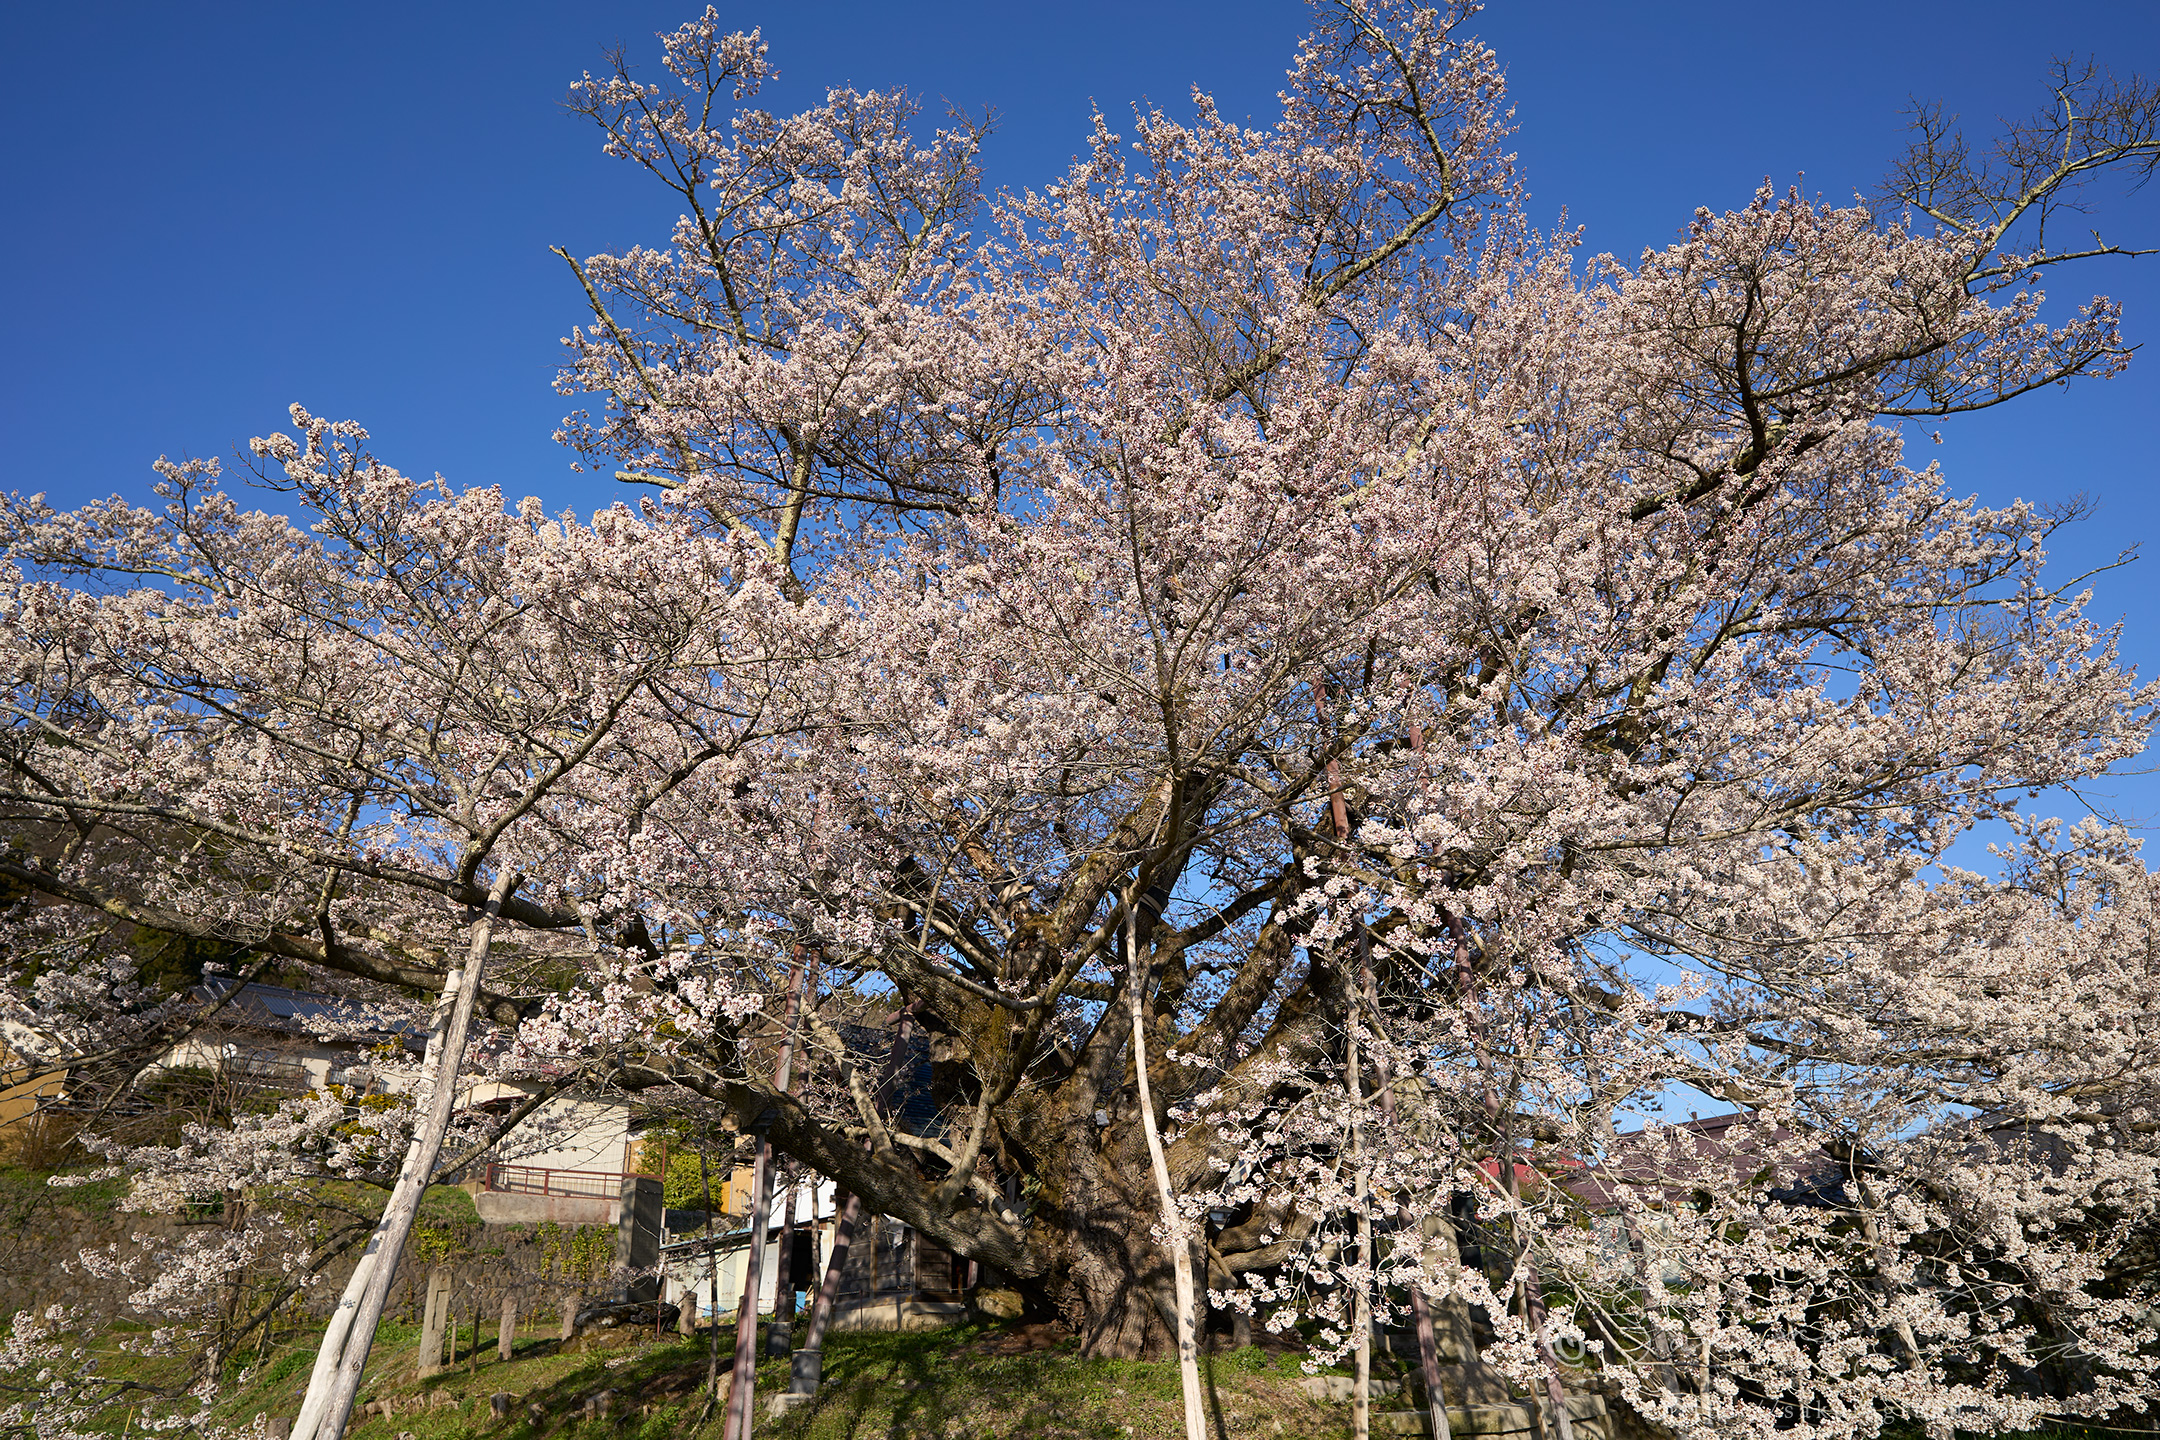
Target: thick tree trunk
{"type": "Point", "coordinates": [1093, 1215]}
{"type": "Point", "coordinates": [1420, 1309]}
{"type": "Point", "coordinates": [1115, 1284]}
{"type": "Point", "coordinates": [1108, 1279]}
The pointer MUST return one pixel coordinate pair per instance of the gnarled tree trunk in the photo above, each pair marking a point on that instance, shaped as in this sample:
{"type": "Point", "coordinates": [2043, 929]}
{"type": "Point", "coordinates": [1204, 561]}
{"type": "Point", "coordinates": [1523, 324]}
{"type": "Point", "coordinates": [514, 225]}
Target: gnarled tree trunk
{"type": "Point", "coordinates": [1110, 1280]}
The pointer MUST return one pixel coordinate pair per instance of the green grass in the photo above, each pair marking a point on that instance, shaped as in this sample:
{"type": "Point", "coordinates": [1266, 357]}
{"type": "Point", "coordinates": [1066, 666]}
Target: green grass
{"type": "Point", "coordinates": [917, 1386]}
{"type": "Point", "coordinates": [973, 1381]}
{"type": "Point", "coordinates": [23, 1190]}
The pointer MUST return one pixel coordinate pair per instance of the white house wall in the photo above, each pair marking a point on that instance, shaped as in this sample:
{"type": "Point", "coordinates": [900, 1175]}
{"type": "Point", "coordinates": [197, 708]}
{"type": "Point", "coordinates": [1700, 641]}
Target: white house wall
{"type": "Point", "coordinates": [689, 1275]}
{"type": "Point", "coordinates": [320, 1065]}
{"type": "Point", "coordinates": [564, 1134]}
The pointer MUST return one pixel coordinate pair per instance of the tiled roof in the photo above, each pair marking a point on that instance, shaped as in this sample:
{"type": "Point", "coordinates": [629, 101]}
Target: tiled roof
{"type": "Point", "coordinates": [299, 1012]}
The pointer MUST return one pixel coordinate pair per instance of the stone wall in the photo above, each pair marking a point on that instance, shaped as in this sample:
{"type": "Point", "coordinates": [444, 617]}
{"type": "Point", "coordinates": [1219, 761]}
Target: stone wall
{"type": "Point", "coordinates": [44, 1232]}
{"type": "Point", "coordinates": [38, 1256]}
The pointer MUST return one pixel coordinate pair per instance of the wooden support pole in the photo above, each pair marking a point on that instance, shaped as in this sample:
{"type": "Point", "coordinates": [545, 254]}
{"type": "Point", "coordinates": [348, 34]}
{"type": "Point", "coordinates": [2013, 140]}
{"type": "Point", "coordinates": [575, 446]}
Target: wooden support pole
{"type": "Point", "coordinates": [341, 1357]}
{"type": "Point", "coordinates": [780, 1338]}
{"type": "Point", "coordinates": [808, 1369]}
{"type": "Point", "coordinates": [740, 1420]}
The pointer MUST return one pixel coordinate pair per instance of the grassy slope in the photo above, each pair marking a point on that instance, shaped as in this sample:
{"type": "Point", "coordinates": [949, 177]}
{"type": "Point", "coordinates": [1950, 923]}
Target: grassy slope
{"type": "Point", "coordinates": [970, 1381]}
{"type": "Point", "coordinates": [956, 1382]}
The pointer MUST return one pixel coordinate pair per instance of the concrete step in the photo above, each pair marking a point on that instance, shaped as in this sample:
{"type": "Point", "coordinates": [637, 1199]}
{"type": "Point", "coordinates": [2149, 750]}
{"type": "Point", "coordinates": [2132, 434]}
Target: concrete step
{"type": "Point", "coordinates": [509, 1207]}
{"type": "Point", "coordinates": [895, 1312]}
{"type": "Point", "coordinates": [1340, 1388]}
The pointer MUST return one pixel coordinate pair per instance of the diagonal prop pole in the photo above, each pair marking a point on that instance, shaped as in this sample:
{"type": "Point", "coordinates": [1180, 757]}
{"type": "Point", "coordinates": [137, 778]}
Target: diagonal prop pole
{"type": "Point", "coordinates": [779, 1335]}
{"type": "Point", "coordinates": [712, 1273]}
{"type": "Point", "coordinates": [737, 1425]}
{"type": "Point", "coordinates": [1175, 1239]}
{"type": "Point", "coordinates": [1420, 1306]}
{"type": "Point", "coordinates": [807, 1371]}
{"type": "Point", "coordinates": [343, 1353]}
{"type": "Point", "coordinates": [1361, 1316]}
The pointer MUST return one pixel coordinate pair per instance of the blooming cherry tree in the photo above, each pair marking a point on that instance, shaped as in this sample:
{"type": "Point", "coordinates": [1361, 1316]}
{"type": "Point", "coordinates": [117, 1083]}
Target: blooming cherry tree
{"type": "Point", "coordinates": [1259, 604]}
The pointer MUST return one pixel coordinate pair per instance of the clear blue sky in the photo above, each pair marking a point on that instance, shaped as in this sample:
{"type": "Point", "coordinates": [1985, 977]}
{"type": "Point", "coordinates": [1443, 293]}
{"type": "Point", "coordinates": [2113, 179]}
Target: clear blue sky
{"type": "Point", "coordinates": [215, 210]}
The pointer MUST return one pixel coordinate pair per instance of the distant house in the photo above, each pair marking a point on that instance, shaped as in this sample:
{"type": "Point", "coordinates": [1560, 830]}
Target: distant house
{"type": "Point", "coordinates": [1714, 1152]}
{"type": "Point", "coordinates": [571, 1161]}
{"type": "Point", "coordinates": [292, 1040]}
{"type": "Point", "coordinates": [283, 1039]}
{"type": "Point", "coordinates": [253, 1039]}
{"type": "Point", "coordinates": [26, 1087]}
{"type": "Point", "coordinates": [894, 1278]}
{"type": "Point", "coordinates": [565, 1163]}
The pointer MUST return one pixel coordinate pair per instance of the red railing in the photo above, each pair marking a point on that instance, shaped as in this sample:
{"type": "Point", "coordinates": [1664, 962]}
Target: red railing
{"type": "Point", "coordinates": [540, 1180]}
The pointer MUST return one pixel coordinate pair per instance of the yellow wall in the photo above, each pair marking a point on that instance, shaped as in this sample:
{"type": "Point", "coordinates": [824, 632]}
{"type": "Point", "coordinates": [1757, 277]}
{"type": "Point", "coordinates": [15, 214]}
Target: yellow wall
{"type": "Point", "coordinates": [21, 1089]}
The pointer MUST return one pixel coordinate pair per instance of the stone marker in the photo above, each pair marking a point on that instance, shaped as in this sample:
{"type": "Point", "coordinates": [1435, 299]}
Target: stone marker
{"type": "Point", "coordinates": [499, 1405]}
{"type": "Point", "coordinates": [637, 1234]}
{"type": "Point", "coordinates": [569, 1315]}
{"type": "Point", "coordinates": [431, 1324]}
{"type": "Point", "coordinates": [506, 1334]}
